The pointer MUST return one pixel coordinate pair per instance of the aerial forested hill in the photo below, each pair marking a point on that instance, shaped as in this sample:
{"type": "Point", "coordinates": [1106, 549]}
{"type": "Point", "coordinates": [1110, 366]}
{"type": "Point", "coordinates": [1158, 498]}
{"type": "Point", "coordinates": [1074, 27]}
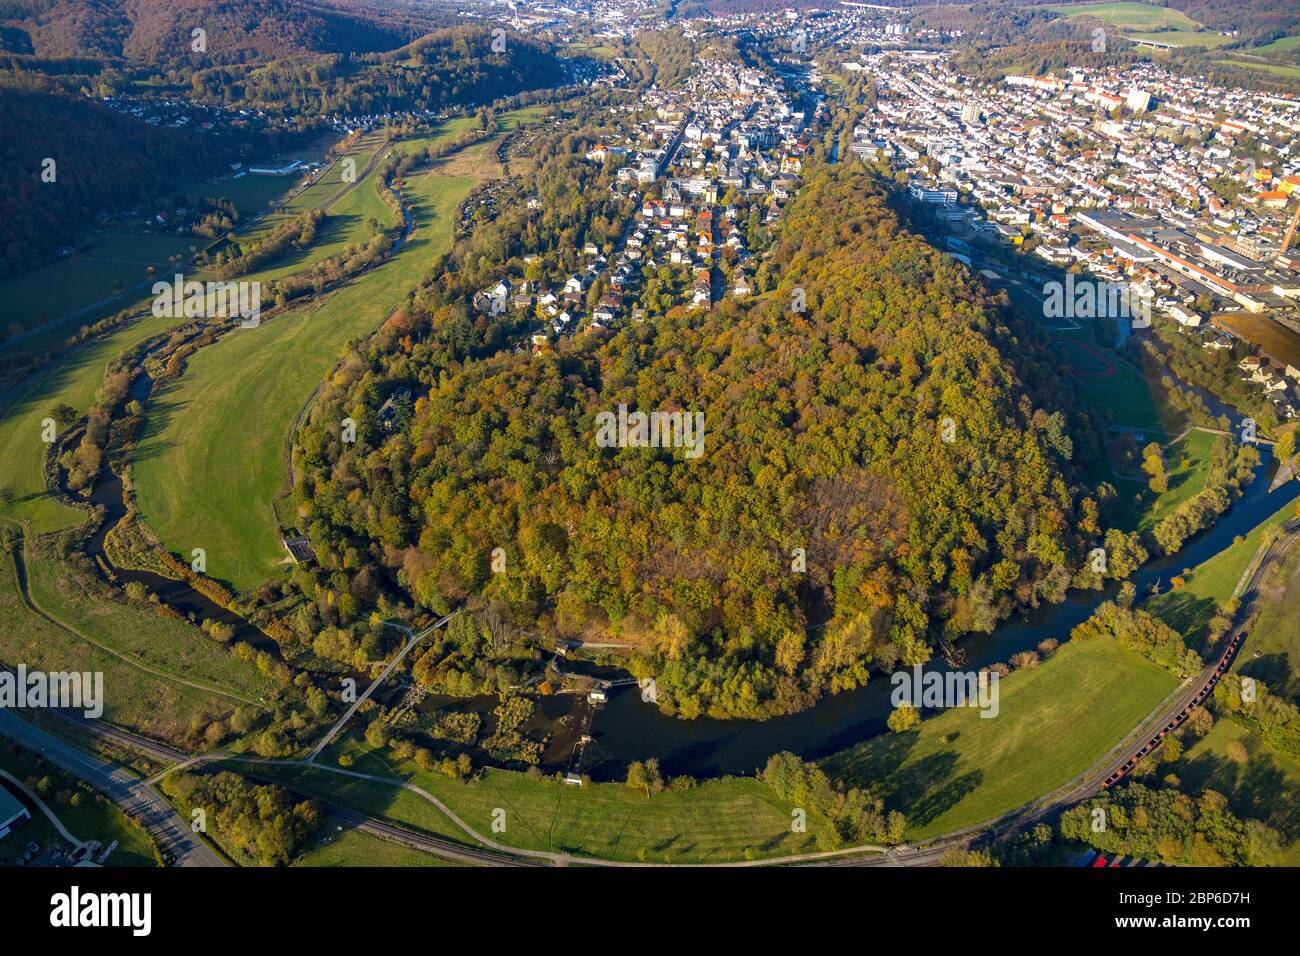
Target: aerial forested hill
{"type": "Point", "coordinates": [447, 67]}
{"type": "Point", "coordinates": [159, 31]}
{"type": "Point", "coordinates": [823, 431]}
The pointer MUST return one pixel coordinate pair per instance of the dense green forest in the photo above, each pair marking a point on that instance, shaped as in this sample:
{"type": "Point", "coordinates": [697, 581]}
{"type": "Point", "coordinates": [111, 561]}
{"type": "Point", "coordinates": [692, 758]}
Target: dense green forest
{"type": "Point", "coordinates": [886, 431]}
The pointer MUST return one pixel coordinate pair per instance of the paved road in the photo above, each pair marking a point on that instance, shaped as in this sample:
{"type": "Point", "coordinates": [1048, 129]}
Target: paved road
{"type": "Point", "coordinates": [131, 794]}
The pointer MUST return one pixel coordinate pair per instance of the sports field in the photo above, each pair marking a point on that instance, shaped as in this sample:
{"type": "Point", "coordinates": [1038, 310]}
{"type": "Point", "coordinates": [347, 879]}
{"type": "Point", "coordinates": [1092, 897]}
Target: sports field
{"type": "Point", "coordinates": [957, 768]}
{"type": "Point", "coordinates": [1114, 387]}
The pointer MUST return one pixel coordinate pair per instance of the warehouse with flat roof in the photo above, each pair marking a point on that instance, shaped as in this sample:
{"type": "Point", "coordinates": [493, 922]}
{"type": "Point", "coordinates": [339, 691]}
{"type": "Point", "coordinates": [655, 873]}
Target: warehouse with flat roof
{"type": "Point", "coordinates": [12, 812]}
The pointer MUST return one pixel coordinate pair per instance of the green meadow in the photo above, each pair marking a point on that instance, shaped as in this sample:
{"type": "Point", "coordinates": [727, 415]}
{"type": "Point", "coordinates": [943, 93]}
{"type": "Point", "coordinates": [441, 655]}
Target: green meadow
{"type": "Point", "coordinates": [1142, 16]}
{"type": "Point", "coordinates": [157, 706]}
{"type": "Point", "coordinates": [210, 461]}
{"type": "Point", "coordinates": [338, 844]}
{"type": "Point", "coordinates": [716, 821]}
{"type": "Point", "coordinates": [957, 769]}
{"type": "Point", "coordinates": [1209, 585]}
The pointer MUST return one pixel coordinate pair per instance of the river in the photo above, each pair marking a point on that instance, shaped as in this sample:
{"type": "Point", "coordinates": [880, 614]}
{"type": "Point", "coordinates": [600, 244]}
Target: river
{"type": "Point", "coordinates": [628, 729]}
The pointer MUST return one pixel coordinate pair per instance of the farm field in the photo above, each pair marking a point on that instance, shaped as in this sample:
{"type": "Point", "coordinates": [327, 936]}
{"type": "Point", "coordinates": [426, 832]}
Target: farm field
{"type": "Point", "coordinates": [1285, 48]}
{"type": "Point", "coordinates": [91, 819]}
{"type": "Point", "coordinates": [238, 399]}
{"type": "Point", "coordinates": [84, 278]}
{"type": "Point", "coordinates": [957, 769]}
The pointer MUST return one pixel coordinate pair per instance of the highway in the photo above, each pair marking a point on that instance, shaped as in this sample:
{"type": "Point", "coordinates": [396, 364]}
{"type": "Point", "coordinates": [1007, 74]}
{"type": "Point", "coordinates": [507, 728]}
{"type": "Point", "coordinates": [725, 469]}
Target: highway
{"type": "Point", "coordinates": [131, 794]}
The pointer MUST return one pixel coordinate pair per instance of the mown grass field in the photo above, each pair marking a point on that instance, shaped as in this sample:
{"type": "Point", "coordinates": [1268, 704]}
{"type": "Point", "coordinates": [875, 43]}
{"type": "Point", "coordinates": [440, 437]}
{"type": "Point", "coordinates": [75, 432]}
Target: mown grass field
{"type": "Point", "coordinates": [957, 769]}
{"type": "Point", "coordinates": [1264, 786]}
{"type": "Point", "coordinates": [1272, 652]}
{"type": "Point", "coordinates": [93, 819]}
{"type": "Point", "coordinates": [133, 698]}
{"type": "Point", "coordinates": [1137, 15]}
{"type": "Point", "coordinates": [73, 380]}
{"type": "Point", "coordinates": [716, 821]}
{"type": "Point", "coordinates": [210, 461]}
{"type": "Point", "coordinates": [332, 847]}
{"type": "Point", "coordinates": [1285, 48]}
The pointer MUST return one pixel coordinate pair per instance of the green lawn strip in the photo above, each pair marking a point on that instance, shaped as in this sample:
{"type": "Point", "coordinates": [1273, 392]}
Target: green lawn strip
{"type": "Point", "coordinates": [1055, 721]}
{"type": "Point", "coordinates": [1209, 585]}
{"type": "Point", "coordinates": [1265, 786]}
{"type": "Point", "coordinates": [133, 698]}
{"type": "Point", "coordinates": [348, 847]}
{"type": "Point", "coordinates": [716, 821]}
{"type": "Point", "coordinates": [174, 646]}
{"type": "Point", "coordinates": [93, 818]}
{"type": "Point", "coordinates": [209, 463]}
